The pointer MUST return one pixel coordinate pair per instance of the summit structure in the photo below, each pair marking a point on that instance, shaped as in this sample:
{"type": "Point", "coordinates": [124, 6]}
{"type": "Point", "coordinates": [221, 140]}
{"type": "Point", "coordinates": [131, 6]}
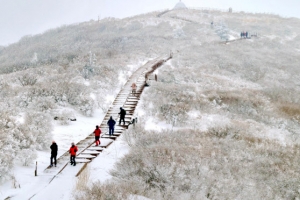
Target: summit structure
{"type": "Point", "coordinates": [179, 5]}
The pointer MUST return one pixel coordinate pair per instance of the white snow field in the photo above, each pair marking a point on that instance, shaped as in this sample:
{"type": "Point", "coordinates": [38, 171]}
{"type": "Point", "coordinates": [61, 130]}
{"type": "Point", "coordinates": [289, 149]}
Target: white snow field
{"type": "Point", "coordinates": [221, 122]}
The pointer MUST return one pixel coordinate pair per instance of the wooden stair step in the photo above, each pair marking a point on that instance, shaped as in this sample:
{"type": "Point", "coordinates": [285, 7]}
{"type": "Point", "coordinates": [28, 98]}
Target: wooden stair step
{"type": "Point", "coordinates": [110, 137]}
{"type": "Point", "coordinates": [82, 160]}
{"type": "Point", "coordinates": [115, 133]}
{"type": "Point", "coordinates": [95, 148]}
{"type": "Point", "coordinates": [85, 156]}
{"type": "Point", "coordinates": [105, 144]}
{"type": "Point", "coordinates": [90, 152]}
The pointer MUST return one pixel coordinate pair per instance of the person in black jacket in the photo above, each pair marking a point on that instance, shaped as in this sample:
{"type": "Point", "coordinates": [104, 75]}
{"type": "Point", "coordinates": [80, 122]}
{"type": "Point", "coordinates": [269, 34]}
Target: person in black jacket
{"type": "Point", "coordinates": [122, 114]}
{"type": "Point", "coordinates": [54, 149]}
{"type": "Point", "coordinates": [111, 125]}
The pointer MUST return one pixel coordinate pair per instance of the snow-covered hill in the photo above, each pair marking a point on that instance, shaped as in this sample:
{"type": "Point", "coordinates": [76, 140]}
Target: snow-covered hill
{"type": "Point", "coordinates": [227, 108]}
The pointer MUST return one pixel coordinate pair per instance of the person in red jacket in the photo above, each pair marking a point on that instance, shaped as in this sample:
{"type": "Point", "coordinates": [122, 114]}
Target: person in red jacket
{"type": "Point", "coordinates": [72, 152]}
{"type": "Point", "coordinates": [97, 133]}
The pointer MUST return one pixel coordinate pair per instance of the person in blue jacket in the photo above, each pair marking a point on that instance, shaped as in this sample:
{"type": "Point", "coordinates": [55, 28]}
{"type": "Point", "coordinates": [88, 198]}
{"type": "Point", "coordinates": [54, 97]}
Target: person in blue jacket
{"type": "Point", "coordinates": [111, 125]}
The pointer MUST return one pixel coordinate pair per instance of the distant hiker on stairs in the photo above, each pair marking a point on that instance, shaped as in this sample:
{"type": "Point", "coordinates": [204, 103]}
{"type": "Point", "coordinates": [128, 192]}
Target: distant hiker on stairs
{"type": "Point", "coordinates": [133, 86]}
{"type": "Point", "coordinates": [111, 125]}
{"type": "Point", "coordinates": [72, 152]}
{"type": "Point", "coordinates": [54, 149]}
{"type": "Point", "coordinates": [122, 114]}
{"type": "Point", "coordinates": [97, 133]}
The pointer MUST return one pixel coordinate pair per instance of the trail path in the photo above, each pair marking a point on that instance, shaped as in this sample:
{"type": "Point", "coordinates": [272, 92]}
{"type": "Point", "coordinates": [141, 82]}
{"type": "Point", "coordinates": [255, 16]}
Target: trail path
{"type": "Point", "coordinates": [57, 182]}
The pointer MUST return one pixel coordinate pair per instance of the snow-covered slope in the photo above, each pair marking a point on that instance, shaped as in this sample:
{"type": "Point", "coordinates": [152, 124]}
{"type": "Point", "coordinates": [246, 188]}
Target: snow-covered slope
{"type": "Point", "coordinates": [231, 104]}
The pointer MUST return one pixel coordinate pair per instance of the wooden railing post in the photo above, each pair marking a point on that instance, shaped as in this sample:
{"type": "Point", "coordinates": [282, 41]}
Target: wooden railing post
{"type": "Point", "coordinates": [35, 172]}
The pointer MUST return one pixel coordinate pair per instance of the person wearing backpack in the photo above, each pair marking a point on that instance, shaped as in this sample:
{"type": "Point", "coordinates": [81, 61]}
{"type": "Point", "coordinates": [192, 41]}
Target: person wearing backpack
{"type": "Point", "coordinates": [122, 114]}
{"type": "Point", "coordinates": [111, 125]}
{"type": "Point", "coordinates": [72, 151]}
{"type": "Point", "coordinates": [97, 133]}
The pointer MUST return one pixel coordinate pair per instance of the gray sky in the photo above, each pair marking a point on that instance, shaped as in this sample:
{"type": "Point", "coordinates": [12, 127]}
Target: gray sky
{"type": "Point", "coordinates": [29, 17]}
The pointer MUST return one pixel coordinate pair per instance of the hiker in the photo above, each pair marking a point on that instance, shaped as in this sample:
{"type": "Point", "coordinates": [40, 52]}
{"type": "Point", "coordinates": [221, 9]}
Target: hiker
{"type": "Point", "coordinates": [246, 34]}
{"type": "Point", "coordinates": [133, 86]}
{"type": "Point", "coordinates": [122, 114]}
{"type": "Point", "coordinates": [155, 77]}
{"type": "Point", "coordinates": [97, 133]}
{"type": "Point", "coordinates": [241, 34]}
{"type": "Point", "coordinates": [111, 125]}
{"type": "Point", "coordinates": [72, 152]}
{"type": "Point", "coordinates": [54, 149]}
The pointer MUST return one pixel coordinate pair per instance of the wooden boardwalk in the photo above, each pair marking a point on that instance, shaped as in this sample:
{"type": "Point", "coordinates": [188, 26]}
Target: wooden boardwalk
{"type": "Point", "coordinates": [87, 150]}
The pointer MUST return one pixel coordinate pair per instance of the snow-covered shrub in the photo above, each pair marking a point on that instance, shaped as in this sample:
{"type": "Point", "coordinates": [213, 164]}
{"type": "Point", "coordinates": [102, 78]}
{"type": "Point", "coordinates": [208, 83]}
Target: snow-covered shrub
{"type": "Point", "coordinates": [27, 79]}
{"type": "Point", "coordinates": [178, 33]}
{"type": "Point", "coordinates": [83, 179]}
{"type": "Point", "coordinates": [173, 112]}
{"type": "Point", "coordinates": [23, 100]}
{"type": "Point", "coordinates": [43, 104]}
{"type": "Point", "coordinates": [189, 164]}
{"type": "Point", "coordinates": [10, 136]}
{"type": "Point", "coordinates": [87, 71]}
{"type": "Point", "coordinates": [102, 102]}
{"type": "Point", "coordinates": [37, 129]}
{"type": "Point", "coordinates": [101, 192]}
{"type": "Point", "coordinates": [246, 103]}
{"type": "Point", "coordinates": [26, 156]}
{"type": "Point", "coordinates": [86, 105]}
{"type": "Point", "coordinates": [134, 132]}
{"type": "Point", "coordinates": [7, 154]}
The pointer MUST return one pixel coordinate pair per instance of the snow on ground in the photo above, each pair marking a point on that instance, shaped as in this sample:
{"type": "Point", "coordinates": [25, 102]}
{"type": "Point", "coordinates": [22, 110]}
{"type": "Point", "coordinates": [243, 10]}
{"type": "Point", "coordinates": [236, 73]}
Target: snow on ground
{"type": "Point", "coordinates": [25, 185]}
{"type": "Point", "coordinates": [76, 130]}
{"type": "Point", "coordinates": [291, 37]}
{"type": "Point", "coordinates": [137, 197]}
{"type": "Point", "coordinates": [122, 79]}
{"type": "Point", "coordinates": [271, 37]}
{"type": "Point", "coordinates": [63, 135]}
{"type": "Point", "coordinates": [151, 124]}
{"type": "Point", "coordinates": [62, 186]}
{"type": "Point", "coordinates": [100, 167]}
{"type": "Point", "coordinates": [231, 37]}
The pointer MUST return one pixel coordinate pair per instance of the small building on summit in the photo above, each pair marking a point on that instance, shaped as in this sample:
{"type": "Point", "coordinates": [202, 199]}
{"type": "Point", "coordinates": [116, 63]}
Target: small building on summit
{"type": "Point", "coordinates": [179, 5]}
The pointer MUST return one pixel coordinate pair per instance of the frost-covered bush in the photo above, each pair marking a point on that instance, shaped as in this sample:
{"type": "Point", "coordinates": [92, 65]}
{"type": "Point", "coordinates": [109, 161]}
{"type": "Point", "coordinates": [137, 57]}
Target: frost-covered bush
{"type": "Point", "coordinates": [86, 105]}
{"type": "Point", "coordinates": [27, 79]}
{"type": "Point", "coordinates": [101, 192]}
{"type": "Point", "coordinates": [37, 130]}
{"type": "Point", "coordinates": [10, 139]}
{"type": "Point", "coordinates": [190, 164]}
{"type": "Point", "coordinates": [134, 132]}
{"type": "Point", "coordinates": [43, 104]}
{"type": "Point", "coordinates": [27, 156]}
{"type": "Point", "coordinates": [7, 153]}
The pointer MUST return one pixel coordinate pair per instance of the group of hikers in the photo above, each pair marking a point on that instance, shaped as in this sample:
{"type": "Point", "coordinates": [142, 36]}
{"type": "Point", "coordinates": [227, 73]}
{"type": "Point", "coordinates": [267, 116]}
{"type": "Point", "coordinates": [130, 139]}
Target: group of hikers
{"type": "Point", "coordinates": [73, 149]}
{"type": "Point", "coordinates": [111, 126]}
{"type": "Point", "coordinates": [245, 34]}
{"type": "Point", "coordinates": [54, 148]}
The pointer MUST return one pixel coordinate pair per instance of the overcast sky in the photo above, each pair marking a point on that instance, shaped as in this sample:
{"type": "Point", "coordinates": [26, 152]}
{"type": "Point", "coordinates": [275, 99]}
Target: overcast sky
{"type": "Point", "coordinates": [29, 17]}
